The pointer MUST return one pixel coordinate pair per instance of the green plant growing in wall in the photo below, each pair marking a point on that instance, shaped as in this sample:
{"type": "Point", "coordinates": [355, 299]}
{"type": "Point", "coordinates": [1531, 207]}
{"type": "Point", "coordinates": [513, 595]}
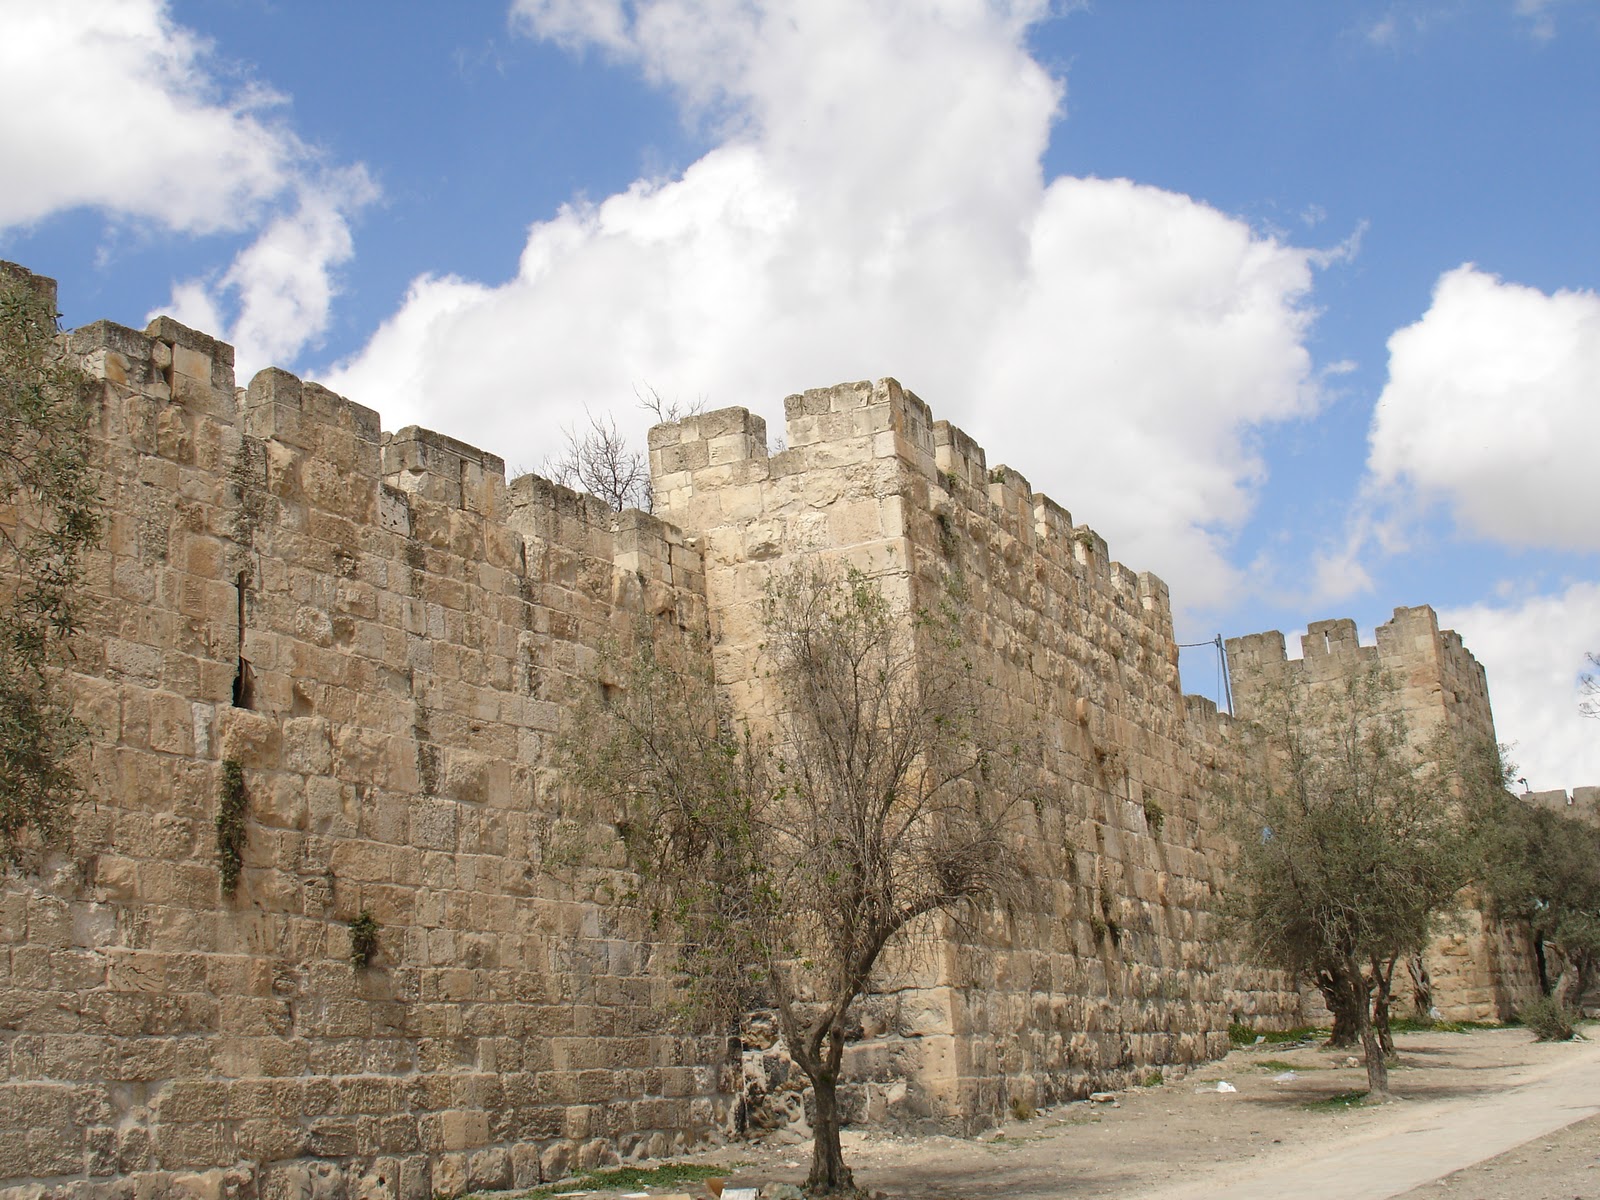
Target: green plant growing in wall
{"type": "Point", "coordinates": [48, 493]}
{"type": "Point", "coordinates": [1154, 815]}
{"type": "Point", "coordinates": [232, 806]}
{"type": "Point", "coordinates": [363, 939]}
{"type": "Point", "coordinates": [949, 542]}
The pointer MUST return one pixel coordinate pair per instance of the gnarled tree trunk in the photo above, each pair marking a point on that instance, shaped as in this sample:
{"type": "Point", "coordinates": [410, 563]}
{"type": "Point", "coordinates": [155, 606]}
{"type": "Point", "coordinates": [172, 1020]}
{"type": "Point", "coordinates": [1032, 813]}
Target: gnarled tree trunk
{"type": "Point", "coordinates": [1421, 988]}
{"type": "Point", "coordinates": [1346, 1000]}
{"type": "Point", "coordinates": [829, 1175]}
{"type": "Point", "coordinates": [1377, 1065]}
{"type": "Point", "coordinates": [1382, 979]}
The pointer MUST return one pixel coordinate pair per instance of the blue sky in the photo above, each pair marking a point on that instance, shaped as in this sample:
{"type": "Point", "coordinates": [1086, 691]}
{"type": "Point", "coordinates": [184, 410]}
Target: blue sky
{"type": "Point", "coordinates": [1296, 304]}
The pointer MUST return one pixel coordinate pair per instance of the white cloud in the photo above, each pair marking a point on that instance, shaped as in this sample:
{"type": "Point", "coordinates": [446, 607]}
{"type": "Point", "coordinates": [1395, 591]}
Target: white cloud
{"type": "Point", "coordinates": [282, 285]}
{"type": "Point", "coordinates": [1533, 652]}
{"type": "Point", "coordinates": [1493, 406]}
{"type": "Point", "coordinates": [1408, 22]}
{"type": "Point", "coordinates": [111, 105]}
{"type": "Point", "coordinates": [876, 206]}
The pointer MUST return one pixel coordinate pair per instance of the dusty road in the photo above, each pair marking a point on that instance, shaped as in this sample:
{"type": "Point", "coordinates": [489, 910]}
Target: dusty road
{"type": "Point", "coordinates": [1487, 1115]}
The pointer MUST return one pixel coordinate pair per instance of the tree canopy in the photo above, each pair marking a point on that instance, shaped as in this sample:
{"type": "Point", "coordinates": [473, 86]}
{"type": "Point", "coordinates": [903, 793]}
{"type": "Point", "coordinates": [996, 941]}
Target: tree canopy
{"type": "Point", "coordinates": [1348, 841]}
{"type": "Point", "coordinates": [1543, 866]}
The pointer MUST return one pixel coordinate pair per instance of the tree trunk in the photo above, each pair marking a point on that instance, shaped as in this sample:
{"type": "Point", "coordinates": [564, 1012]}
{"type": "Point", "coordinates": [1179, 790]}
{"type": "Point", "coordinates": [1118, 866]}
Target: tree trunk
{"type": "Point", "coordinates": [1347, 1004]}
{"type": "Point", "coordinates": [1421, 988]}
{"type": "Point", "coordinates": [1569, 986]}
{"type": "Point", "coordinates": [1382, 978]}
{"type": "Point", "coordinates": [829, 1175]}
{"type": "Point", "coordinates": [1377, 1067]}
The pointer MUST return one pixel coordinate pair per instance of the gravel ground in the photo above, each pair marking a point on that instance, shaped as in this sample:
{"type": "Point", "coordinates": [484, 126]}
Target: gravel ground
{"type": "Point", "coordinates": [1184, 1135]}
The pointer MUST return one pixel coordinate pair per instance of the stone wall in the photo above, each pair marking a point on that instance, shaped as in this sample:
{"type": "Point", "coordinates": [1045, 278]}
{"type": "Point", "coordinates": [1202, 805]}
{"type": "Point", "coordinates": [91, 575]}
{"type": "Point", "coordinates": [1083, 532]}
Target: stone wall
{"type": "Point", "coordinates": [1113, 970]}
{"type": "Point", "coordinates": [384, 634]}
{"type": "Point", "coordinates": [381, 632]}
{"type": "Point", "coordinates": [1480, 969]}
{"type": "Point", "coordinates": [1583, 803]}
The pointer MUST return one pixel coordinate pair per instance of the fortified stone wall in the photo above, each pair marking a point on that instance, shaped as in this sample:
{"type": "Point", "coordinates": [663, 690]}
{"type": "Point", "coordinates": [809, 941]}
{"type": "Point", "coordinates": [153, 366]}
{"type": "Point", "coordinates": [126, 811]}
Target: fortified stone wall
{"type": "Point", "coordinates": [1480, 969]}
{"type": "Point", "coordinates": [1113, 969]}
{"type": "Point", "coordinates": [1583, 803]}
{"type": "Point", "coordinates": [383, 633]}
{"type": "Point", "coordinates": [380, 632]}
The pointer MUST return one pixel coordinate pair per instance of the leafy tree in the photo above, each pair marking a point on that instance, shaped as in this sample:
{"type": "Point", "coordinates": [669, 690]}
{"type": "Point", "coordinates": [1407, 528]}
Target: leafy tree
{"type": "Point", "coordinates": [1543, 867]}
{"type": "Point", "coordinates": [787, 859]}
{"type": "Point", "coordinates": [48, 517]}
{"type": "Point", "coordinates": [1349, 844]}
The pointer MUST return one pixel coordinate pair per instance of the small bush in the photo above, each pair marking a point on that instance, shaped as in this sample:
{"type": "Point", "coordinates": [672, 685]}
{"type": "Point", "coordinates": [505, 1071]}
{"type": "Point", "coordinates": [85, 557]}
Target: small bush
{"type": "Point", "coordinates": [1549, 1020]}
{"type": "Point", "coordinates": [1241, 1035]}
{"type": "Point", "coordinates": [1154, 816]}
{"type": "Point", "coordinates": [363, 940]}
{"type": "Point", "coordinates": [1021, 1110]}
{"type": "Point", "coordinates": [1154, 1079]}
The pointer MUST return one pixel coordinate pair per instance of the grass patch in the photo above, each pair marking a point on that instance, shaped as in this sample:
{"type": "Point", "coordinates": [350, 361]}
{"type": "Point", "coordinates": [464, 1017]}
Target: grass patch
{"type": "Point", "coordinates": [1412, 1025]}
{"type": "Point", "coordinates": [632, 1178]}
{"type": "Point", "coordinates": [1243, 1035]}
{"type": "Point", "coordinates": [1154, 1079]}
{"type": "Point", "coordinates": [1339, 1103]}
{"type": "Point", "coordinates": [1277, 1064]}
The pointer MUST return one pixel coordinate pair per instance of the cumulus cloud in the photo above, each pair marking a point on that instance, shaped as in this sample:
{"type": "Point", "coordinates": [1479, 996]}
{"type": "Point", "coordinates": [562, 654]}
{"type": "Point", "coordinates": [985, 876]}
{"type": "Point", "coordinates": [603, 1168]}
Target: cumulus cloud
{"type": "Point", "coordinates": [1492, 406]}
{"type": "Point", "coordinates": [111, 105]}
{"type": "Point", "coordinates": [1533, 651]}
{"type": "Point", "coordinates": [875, 205]}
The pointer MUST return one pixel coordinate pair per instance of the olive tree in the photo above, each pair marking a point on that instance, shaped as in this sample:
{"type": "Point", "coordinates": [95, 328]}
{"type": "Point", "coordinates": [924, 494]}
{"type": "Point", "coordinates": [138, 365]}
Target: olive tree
{"type": "Point", "coordinates": [48, 517]}
{"type": "Point", "coordinates": [786, 856]}
{"type": "Point", "coordinates": [1349, 843]}
{"type": "Point", "coordinates": [1543, 867]}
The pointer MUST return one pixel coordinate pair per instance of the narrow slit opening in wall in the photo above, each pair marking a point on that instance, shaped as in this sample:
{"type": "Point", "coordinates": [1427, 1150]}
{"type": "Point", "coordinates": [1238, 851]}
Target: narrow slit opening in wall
{"type": "Point", "coordinates": [244, 683]}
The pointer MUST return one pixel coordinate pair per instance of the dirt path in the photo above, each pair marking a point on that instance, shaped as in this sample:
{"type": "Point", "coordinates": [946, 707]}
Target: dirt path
{"type": "Point", "coordinates": [1468, 1098]}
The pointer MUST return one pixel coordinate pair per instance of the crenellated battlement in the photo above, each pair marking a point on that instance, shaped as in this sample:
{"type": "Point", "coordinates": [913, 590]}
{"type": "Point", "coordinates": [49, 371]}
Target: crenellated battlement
{"type": "Point", "coordinates": [1583, 802]}
{"type": "Point", "coordinates": [855, 445]}
{"type": "Point", "coordinates": [1437, 677]}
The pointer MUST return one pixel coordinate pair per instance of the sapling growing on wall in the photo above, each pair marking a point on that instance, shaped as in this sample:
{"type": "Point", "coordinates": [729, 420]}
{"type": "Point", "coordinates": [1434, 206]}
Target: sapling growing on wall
{"type": "Point", "coordinates": [598, 458]}
{"type": "Point", "coordinates": [787, 858]}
